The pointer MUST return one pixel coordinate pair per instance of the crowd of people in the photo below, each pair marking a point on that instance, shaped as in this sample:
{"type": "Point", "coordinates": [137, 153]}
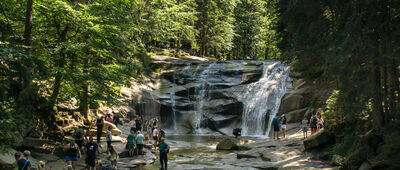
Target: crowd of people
{"type": "Point", "coordinates": [314, 123]}
{"type": "Point", "coordinates": [141, 133]}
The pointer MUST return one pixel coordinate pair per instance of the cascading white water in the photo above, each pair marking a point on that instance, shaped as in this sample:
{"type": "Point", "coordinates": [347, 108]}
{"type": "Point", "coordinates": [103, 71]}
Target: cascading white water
{"type": "Point", "coordinates": [226, 94]}
{"type": "Point", "coordinates": [262, 98]}
{"type": "Point", "coordinates": [202, 92]}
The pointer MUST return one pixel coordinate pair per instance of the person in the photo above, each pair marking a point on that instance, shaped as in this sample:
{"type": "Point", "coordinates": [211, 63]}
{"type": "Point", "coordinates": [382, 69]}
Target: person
{"type": "Point", "coordinates": [79, 137]}
{"type": "Point", "coordinates": [145, 127]}
{"type": "Point", "coordinates": [91, 150]}
{"type": "Point", "coordinates": [116, 119]}
{"type": "Point", "coordinates": [138, 124]}
{"type": "Point", "coordinates": [100, 124]}
{"type": "Point", "coordinates": [139, 143]}
{"type": "Point", "coordinates": [109, 118]}
{"type": "Point", "coordinates": [114, 157]}
{"type": "Point", "coordinates": [161, 134]}
{"type": "Point", "coordinates": [131, 143]}
{"type": "Point", "coordinates": [17, 156]}
{"type": "Point", "coordinates": [237, 132]}
{"type": "Point", "coordinates": [320, 122]}
{"type": "Point", "coordinates": [275, 123]}
{"type": "Point", "coordinates": [304, 127]}
{"type": "Point", "coordinates": [132, 124]}
{"type": "Point", "coordinates": [71, 153]}
{"type": "Point", "coordinates": [155, 137]}
{"type": "Point", "coordinates": [283, 122]}
{"type": "Point", "coordinates": [42, 165]}
{"type": "Point", "coordinates": [164, 149]}
{"type": "Point", "coordinates": [313, 124]}
{"type": "Point", "coordinates": [254, 57]}
{"type": "Point", "coordinates": [109, 138]}
{"type": "Point", "coordinates": [24, 163]}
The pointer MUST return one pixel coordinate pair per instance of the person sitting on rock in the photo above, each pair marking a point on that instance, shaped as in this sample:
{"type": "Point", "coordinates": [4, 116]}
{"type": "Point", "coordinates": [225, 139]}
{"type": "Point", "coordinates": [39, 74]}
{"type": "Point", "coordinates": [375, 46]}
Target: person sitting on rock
{"type": "Point", "coordinates": [237, 132]}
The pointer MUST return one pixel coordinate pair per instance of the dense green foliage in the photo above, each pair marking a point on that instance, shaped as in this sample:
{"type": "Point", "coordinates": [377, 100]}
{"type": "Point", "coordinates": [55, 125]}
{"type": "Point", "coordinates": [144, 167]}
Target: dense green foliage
{"type": "Point", "coordinates": [353, 47]}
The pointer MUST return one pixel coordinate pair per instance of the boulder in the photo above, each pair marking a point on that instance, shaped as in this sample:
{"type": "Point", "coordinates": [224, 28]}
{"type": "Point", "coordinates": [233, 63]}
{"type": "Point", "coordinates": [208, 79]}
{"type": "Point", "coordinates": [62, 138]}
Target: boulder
{"type": "Point", "coordinates": [114, 130]}
{"type": "Point", "coordinates": [227, 144]}
{"type": "Point", "coordinates": [7, 159]}
{"type": "Point", "coordinates": [296, 116]}
{"type": "Point", "coordinates": [337, 160]}
{"type": "Point", "coordinates": [317, 140]}
{"type": "Point", "coordinates": [247, 154]}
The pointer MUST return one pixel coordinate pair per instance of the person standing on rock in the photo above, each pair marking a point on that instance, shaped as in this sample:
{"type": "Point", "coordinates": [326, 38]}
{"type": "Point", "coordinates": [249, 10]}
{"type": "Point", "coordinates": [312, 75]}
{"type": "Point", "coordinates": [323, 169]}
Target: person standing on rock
{"type": "Point", "coordinates": [132, 124]}
{"type": "Point", "coordinates": [313, 124]}
{"type": "Point", "coordinates": [99, 124]}
{"type": "Point", "coordinates": [139, 143]}
{"type": "Point", "coordinates": [24, 163]}
{"type": "Point", "coordinates": [164, 149]}
{"type": "Point", "coordinates": [155, 137]}
{"type": "Point", "coordinates": [116, 119]}
{"type": "Point", "coordinates": [131, 143]}
{"type": "Point", "coordinates": [109, 138]}
{"type": "Point", "coordinates": [114, 157]}
{"type": "Point", "coordinates": [283, 122]}
{"type": "Point", "coordinates": [304, 126]}
{"type": "Point", "coordinates": [275, 123]}
{"type": "Point", "coordinates": [91, 150]}
{"type": "Point", "coordinates": [72, 152]}
{"type": "Point", "coordinates": [17, 156]}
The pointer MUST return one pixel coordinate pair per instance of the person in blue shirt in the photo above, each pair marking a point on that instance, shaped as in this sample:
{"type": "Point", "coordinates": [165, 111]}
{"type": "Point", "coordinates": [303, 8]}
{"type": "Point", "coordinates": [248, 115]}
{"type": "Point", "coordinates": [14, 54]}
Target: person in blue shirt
{"type": "Point", "coordinates": [275, 124]}
{"type": "Point", "coordinates": [164, 149]}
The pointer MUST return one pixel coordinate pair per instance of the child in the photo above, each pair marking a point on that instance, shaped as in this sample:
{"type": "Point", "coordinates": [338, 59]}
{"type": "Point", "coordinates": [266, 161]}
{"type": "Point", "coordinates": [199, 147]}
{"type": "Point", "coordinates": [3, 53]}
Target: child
{"type": "Point", "coordinates": [304, 127]}
{"type": "Point", "coordinates": [109, 138]}
{"type": "Point", "coordinates": [114, 157]}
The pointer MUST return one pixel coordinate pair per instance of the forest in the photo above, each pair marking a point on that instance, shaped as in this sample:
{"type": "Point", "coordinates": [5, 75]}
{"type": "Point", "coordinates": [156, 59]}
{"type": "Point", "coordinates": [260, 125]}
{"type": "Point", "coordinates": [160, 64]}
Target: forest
{"type": "Point", "coordinates": [54, 50]}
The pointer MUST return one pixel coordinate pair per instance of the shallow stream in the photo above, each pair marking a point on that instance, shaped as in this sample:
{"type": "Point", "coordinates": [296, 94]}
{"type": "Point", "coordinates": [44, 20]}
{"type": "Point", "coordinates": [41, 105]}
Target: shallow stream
{"type": "Point", "coordinates": [197, 152]}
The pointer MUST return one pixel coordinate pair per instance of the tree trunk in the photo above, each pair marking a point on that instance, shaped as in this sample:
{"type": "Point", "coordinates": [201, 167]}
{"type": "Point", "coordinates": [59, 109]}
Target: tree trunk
{"type": "Point", "coordinates": [28, 25]}
{"type": "Point", "coordinates": [377, 111]}
{"type": "Point", "coordinates": [84, 101]}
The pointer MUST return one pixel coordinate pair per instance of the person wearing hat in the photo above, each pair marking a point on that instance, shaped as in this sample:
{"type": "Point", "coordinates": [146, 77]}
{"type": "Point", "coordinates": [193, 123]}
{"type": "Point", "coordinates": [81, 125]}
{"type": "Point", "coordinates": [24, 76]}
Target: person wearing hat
{"type": "Point", "coordinates": [283, 125]}
{"type": "Point", "coordinates": [164, 149]}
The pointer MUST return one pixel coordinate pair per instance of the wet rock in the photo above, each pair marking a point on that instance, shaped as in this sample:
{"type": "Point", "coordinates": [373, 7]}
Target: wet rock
{"type": "Point", "coordinates": [319, 139]}
{"type": "Point", "coordinates": [227, 144]}
{"type": "Point", "coordinates": [296, 116]}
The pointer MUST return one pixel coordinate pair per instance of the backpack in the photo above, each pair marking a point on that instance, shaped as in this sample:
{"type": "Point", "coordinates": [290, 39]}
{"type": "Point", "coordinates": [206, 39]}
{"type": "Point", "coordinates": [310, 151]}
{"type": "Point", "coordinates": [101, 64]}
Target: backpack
{"type": "Point", "coordinates": [235, 131]}
{"type": "Point", "coordinates": [314, 120]}
{"type": "Point", "coordinates": [275, 122]}
{"type": "Point", "coordinates": [162, 133]}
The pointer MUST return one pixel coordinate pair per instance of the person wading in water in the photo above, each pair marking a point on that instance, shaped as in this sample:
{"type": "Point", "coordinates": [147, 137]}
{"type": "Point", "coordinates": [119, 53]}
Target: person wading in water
{"type": "Point", "coordinates": [72, 153]}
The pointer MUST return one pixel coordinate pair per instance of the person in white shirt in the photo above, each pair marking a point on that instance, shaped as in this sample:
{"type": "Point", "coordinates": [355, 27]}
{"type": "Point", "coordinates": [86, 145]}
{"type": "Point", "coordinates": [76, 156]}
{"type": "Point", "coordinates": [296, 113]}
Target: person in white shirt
{"type": "Point", "coordinates": [155, 137]}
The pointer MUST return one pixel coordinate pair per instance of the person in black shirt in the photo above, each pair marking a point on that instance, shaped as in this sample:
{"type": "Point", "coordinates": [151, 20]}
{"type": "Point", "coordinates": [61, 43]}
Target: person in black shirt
{"type": "Point", "coordinates": [24, 163]}
{"type": "Point", "coordinates": [72, 153]}
{"type": "Point", "coordinates": [90, 152]}
{"type": "Point", "coordinates": [116, 119]}
{"type": "Point", "coordinates": [99, 124]}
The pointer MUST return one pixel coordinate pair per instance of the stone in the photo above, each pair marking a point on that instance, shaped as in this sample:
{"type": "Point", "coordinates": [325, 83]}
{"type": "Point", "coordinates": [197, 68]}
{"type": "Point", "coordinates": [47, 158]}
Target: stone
{"type": "Point", "coordinates": [246, 154]}
{"type": "Point", "coordinates": [114, 130]}
{"type": "Point", "coordinates": [296, 116]}
{"type": "Point", "coordinates": [7, 159]}
{"type": "Point", "coordinates": [227, 144]}
{"type": "Point", "coordinates": [317, 140]}
{"type": "Point", "coordinates": [264, 157]}
{"type": "Point", "coordinates": [365, 166]}
{"type": "Point", "coordinates": [337, 160]}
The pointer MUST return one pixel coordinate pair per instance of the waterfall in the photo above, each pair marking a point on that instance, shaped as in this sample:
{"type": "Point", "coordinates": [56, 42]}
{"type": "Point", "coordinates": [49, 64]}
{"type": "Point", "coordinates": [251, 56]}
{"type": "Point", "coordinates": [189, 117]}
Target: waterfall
{"type": "Point", "coordinates": [262, 99]}
{"type": "Point", "coordinates": [225, 94]}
